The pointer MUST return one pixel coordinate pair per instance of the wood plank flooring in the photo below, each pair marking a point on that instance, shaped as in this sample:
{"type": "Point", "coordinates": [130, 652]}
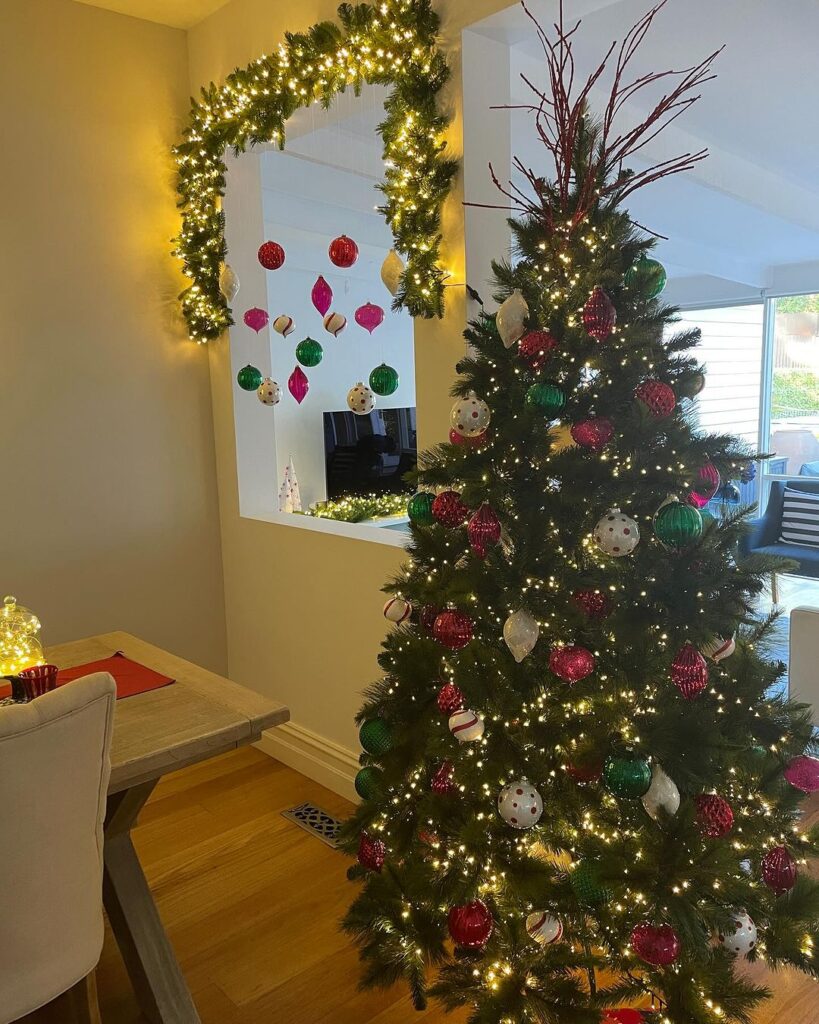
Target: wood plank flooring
{"type": "Point", "coordinates": [252, 903]}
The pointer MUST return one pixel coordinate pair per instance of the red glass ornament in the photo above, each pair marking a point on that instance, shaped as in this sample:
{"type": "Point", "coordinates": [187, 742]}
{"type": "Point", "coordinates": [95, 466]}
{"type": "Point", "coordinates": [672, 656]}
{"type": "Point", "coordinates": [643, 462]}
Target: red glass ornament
{"type": "Point", "coordinates": [714, 815]}
{"type": "Point", "coordinates": [657, 944]}
{"type": "Point", "coordinates": [657, 397]}
{"type": "Point", "coordinates": [39, 679]}
{"type": "Point", "coordinates": [584, 771]}
{"type": "Point", "coordinates": [322, 295]}
{"type": "Point", "coordinates": [369, 316]}
{"type": "Point", "coordinates": [371, 852]}
{"type": "Point", "coordinates": [571, 663]}
{"type": "Point", "coordinates": [298, 385]}
{"type": "Point", "coordinates": [428, 838]}
{"type": "Point", "coordinates": [449, 510]}
{"type": "Point", "coordinates": [626, 1016]}
{"type": "Point", "coordinates": [443, 781]}
{"type": "Point", "coordinates": [343, 251]}
{"type": "Point", "coordinates": [468, 442]}
{"type": "Point", "coordinates": [427, 616]}
{"type": "Point", "coordinates": [593, 433]}
{"type": "Point", "coordinates": [535, 348]}
{"type": "Point", "coordinates": [593, 603]}
{"type": "Point", "coordinates": [803, 773]}
{"type": "Point", "coordinates": [450, 699]}
{"type": "Point", "coordinates": [599, 315]}
{"type": "Point", "coordinates": [779, 870]}
{"type": "Point", "coordinates": [453, 629]}
{"type": "Point", "coordinates": [471, 925]}
{"type": "Point", "coordinates": [705, 487]}
{"type": "Point", "coordinates": [689, 672]}
{"type": "Point", "coordinates": [271, 255]}
{"type": "Point", "coordinates": [256, 319]}
{"type": "Point", "coordinates": [484, 530]}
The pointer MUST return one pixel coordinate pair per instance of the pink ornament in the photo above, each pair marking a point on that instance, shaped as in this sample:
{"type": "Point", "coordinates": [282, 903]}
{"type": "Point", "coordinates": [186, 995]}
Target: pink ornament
{"type": "Point", "coordinates": [803, 773]}
{"type": "Point", "coordinates": [571, 663]}
{"type": "Point", "coordinates": [779, 870]}
{"type": "Point", "coordinates": [298, 385]}
{"type": "Point", "coordinates": [593, 433]}
{"type": "Point", "coordinates": [467, 442]}
{"type": "Point", "coordinates": [369, 316]}
{"type": "Point", "coordinates": [322, 295]}
{"type": "Point", "coordinates": [371, 852]}
{"type": "Point", "coordinates": [271, 255]}
{"type": "Point", "coordinates": [705, 487]}
{"type": "Point", "coordinates": [256, 319]}
{"type": "Point", "coordinates": [689, 672]}
{"type": "Point", "coordinates": [599, 315]}
{"type": "Point", "coordinates": [483, 530]}
{"type": "Point", "coordinates": [658, 945]}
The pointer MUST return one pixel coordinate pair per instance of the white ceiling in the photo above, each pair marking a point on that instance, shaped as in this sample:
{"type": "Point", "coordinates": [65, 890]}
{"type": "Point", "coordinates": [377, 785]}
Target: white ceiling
{"type": "Point", "coordinates": [176, 13]}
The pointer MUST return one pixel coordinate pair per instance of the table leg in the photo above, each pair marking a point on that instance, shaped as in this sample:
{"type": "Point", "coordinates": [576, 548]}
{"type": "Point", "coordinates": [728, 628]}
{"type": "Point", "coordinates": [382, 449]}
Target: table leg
{"type": "Point", "coordinates": [155, 975]}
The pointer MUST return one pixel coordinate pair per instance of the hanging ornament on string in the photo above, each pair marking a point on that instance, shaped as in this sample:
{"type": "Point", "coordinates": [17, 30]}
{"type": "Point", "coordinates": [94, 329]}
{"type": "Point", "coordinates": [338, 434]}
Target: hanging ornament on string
{"type": "Point", "coordinates": [334, 323]}
{"type": "Point", "coordinates": [715, 818]}
{"type": "Point", "coordinates": [718, 648]}
{"type": "Point", "coordinates": [392, 270]}
{"type": "Point", "coordinates": [510, 319]}
{"type": "Point", "coordinates": [656, 944]}
{"type": "Point", "coordinates": [802, 772]}
{"type": "Point", "coordinates": [705, 486]}
{"type": "Point", "coordinates": [449, 510]}
{"type": "Point", "coordinates": [309, 352]}
{"type": "Point", "coordinates": [593, 433]}
{"type": "Point", "coordinates": [470, 416]}
{"type": "Point", "coordinates": [678, 527]}
{"type": "Point", "coordinates": [371, 852]}
{"type": "Point", "coordinates": [483, 530]}
{"type": "Point", "coordinates": [271, 255]}
{"type": "Point", "coordinates": [375, 737]}
{"type": "Point", "coordinates": [616, 534]}
{"type": "Point", "coordinates": [343, 252]}
{"type": "Point", "coordinates": [450, 699]}
{"type": "Point", "coordinates": [662, 796]}
{"type": "Point", "coordinates": [689, 672]}
{"type": "Point", "coordinates": [321, 295]}
{"type": "Point", "coordinates": [593, 603]}
{"type": "Point", "coordinates": [544, 927]}
{"type": "Point", "coordinates": [228, 282]}
{"type": "Point", "coordinates": [256, 319]}
{"type": "Point", "coordinates": [647, 274]}
{"type": "Point", "coordinates": [535, 349]}
{"type": "Point", "coordinates": [468, 442]}
{"type": "Point", "coordinates": [547, 399]}
{"type": "Point", "coordinates": [453, 629]}
{"type": "Point", "coordinates": [284, 325]}
{"type": "Point", "coordinates": [466, 726]}
{"type": "Point", "coordinates": [269, 392]}
{"type": "Point", "coordinates": [599, 315]}
{"type": "Point", "coordinates": [656, 397]}
{"type": "Point", "coordinates": [419, 508]}
{"type": "Point", "coordinates": [627, 775]}
{"type": "Point", "coordinates": [384, 380]}
{"type": "Point", "coordinates": [249, 378]}
{"type": "Point", "coordinates": [369, 317]}
{"type": "Point", "coordinates": [748, 473]}
{"type": "Point", "coordinates": [520, 633]}
{"type": "Point", "coordinates": [397, 610]}
{"type": "Point", "coordinates": [571, 663]}
{"type": "Point", "coordinates": [471, 925]}
{"type": "Point", "coordinates": [778, 869]}
{"type": "Point", "coordinates": [742, 937]}
{"type": "Point", "coordinates": [520, 805]}
{"type": "Point", "coordinates": [298, 385]}
{"type": "Point", "coordinates": [369, 782]}
{"type": "Point", "coordinates": [443, 780]}
{"type": "Point", "coordinates": [360, 399]}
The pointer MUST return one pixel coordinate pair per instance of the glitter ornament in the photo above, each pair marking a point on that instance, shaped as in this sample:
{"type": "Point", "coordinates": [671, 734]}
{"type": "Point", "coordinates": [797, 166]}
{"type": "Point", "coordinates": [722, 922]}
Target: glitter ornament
{"type": "Point", "coordinates": [593, 433]}
{"type": "Point", "coordinates": [778, 869]}
{"type": "Point", "coordinates": [269, 392]}
{"type": "Point", "coordinates": [369, 317]}
{"type": "Point", "coordinates": [520, 633]}
{"type": "Point", "coordinates": [284, 325]}
{"type": "Point", "coordinates": [616, 534]}
{"type": "Point", "coordinates": [656, 944]}
{"type": "Point", "coordinates": [256, 319]}
{"type": "Point", "coordinates": [468, 442]}
{"type": "Point", "coordinates": [627, 775]}
{"type": "Point", "coordinates": [547, 399]}
{"type": "Point", "coordinates": [535, 348]}
{"type": "Point", "coordinates": [658, 398]}
{"type": "Point", "coordinates": [450, 699]}
{"type": "Point", "coordinates": [599, 315]}
{"type": "Point", "coordinates": [419, 508]}
{"type": "Point", "coordinates": [443, 780]}
{"type": "Point", "coordinates": [677, 526]}
{"type": "Point", "coordinates": [471, 925]}
{"type": "Point", "coordinates": [392, 270]}
{"type": "Point", "coordinates": [544, 927]}
{"type": "Point", "coordinates": [483, 530]}
{"type": "Point", "coordinates": [449, 510]}
{"type": "Point", "coordinates": [689, 672]}
{"type": "Point", "coordinates": [453, 629]}
{"type": "Point", "coordinates": [343, 252]}
{"type": "Point", "coordinates": [803, 773]}
{"type": "Point", "coordinates": [705, 487]}
{"type": "Point", "coordinates": [466, 726]}
{"type": "Point", "coordinates": [249, 378]}
{"type": "Point", "coordinates": [334, 323]}
{"type": "Point", "coordinates": [510, 319]}
{"type": "Point", "coordinates": [662, 796]}
{"type": "Point", "coordinates": [309, 352]}
{"type": "Point", "coordinates": [371, 852]}
{"type": "Point", "coordinates": [718, 648]}
{"type": "Point", "coordinates": [321, 295]}
{"type": "Point", "coordinates": [375, 737]}
{"type": "Point", "coordinates": [742, 938]}
{"type": "Point", "coordinates": [271, 255]}
{"type": "Point", "coordinates": [470, 416]}
{"type": "Point", "coordinates": [715, 818]}
{"type": "Point", "coordinates": [360, 399]}
{"type": "Point", "coordinates": [520, 805]}
{"type": "Point", "coordinates": [571, 663]}
{"type": "Point", "coordinates": [228, 283]}
{"type": "Point", "coordinates": [587, 885]}
{"type": "Point", "coordinates": [593, 603]}
{"type": "Point", "coordinates": [369, 782]}
{"type": "Point", "coordinates": [384, 380]}
{"type": "Point", "coordinates": [397, 610]}
{"type": "Point", "coordinates": [648, 275]}
{"type": "Point", "coordinates": [298, 385]}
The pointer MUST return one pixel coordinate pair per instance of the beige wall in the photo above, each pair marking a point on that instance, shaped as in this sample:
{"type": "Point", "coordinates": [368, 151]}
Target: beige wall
{"type": "Point", "coordinates": [108, 503]}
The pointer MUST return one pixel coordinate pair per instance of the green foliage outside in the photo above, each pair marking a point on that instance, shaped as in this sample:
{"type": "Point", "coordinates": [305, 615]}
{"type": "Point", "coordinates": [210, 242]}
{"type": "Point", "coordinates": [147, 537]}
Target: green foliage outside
{"type": "Point", "coordinates": [795, 392]}
{"type": "Point", "coordinates": [798, 304]}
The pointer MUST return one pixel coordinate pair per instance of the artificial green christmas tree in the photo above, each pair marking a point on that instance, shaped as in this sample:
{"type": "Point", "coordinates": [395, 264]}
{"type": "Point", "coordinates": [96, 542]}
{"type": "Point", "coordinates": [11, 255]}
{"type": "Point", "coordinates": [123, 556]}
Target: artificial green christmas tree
{"type": "Point", "coordinates": [589, 798]}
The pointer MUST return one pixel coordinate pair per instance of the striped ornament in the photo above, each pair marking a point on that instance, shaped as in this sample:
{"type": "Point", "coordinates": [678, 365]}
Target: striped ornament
{"type": "Point", "coordinates": [466, 726]}
{"type": "Point", "coordinates": [543, 927]}
{"type": "Point", "coordinates": [397, 610]}
{"type": "Point", "coordinates": [335, 323]}
{"type": "Point", "coordinates": [718, 648]}
{"type": "Point", "coordinates": [284, 325]}
{"type": "Point", "coordinates": [800, 518]}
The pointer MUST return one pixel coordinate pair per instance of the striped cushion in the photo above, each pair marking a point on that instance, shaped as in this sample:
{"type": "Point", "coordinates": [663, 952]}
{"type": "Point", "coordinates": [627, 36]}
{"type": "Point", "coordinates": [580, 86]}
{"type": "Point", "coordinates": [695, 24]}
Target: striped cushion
{"type": "Point", "coordinates": [800, 518]}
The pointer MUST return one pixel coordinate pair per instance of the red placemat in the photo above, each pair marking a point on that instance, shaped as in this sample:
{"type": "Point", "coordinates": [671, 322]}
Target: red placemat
{"type": "Point", "coordinates": [131, 677]}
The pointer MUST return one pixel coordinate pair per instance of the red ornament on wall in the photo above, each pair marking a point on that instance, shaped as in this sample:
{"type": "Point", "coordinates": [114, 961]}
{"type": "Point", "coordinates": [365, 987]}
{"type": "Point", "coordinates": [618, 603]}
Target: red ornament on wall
{"type": "Point", "coordinates": [343, 252]}
{"type": "Point", "coordinates": [689, 672]}
{"type": "Point", "coordinates": [593, 433]}
{"type": "Point", "coordinates": [715, 818]}
{"type": "Point", "coordinates": [371, 852]}
{"type": "Point", "coordinates": [657, 397]}
{"type": "Point", "coordinates": [443, 780]}
{"type": "Point", "coordinates": [599, 315]}
{"type": "Point", "coordinates": [484, 530]}
{"type": "Point", "coordinates": [535, 348]}
{"type": "Point", "coordinates": [453, 629]}
{"type": "Point", "coordinates": [593, 603]}
{"type": "Point", "coordinates": [571, 663]}
{"type": "Point", "coordinates": [657, 944]}
{"type": "Point", "coordinates": [779, 870]}
{"type": "Point", "coordinates": [471, 925]}
{"type": "Point", "coordinates": [271, 255]}
{"type": "Point", "coordinates": [450, 699]}
{"type": "Point", "coordinates": [449, 510]}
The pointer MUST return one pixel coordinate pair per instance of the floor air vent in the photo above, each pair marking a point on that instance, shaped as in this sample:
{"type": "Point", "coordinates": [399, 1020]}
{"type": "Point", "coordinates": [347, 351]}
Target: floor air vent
{"type": "Point", "coordinates": [313, 819]}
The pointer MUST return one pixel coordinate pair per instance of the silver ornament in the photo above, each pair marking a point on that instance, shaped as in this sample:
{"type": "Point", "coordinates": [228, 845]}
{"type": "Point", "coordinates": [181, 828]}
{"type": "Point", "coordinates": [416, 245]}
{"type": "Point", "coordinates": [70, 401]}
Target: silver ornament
{"type": "Point", "coordinates": [520, 632]}
{"type": "Point", "coordinates": [511, 319]}
{"type": "Point", "coordinates": [662, 794]}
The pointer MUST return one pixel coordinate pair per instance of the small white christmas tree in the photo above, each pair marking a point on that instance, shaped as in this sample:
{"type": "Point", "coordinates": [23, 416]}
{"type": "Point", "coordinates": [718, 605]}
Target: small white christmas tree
{"type": "Point", "coordinates": [289, 495]}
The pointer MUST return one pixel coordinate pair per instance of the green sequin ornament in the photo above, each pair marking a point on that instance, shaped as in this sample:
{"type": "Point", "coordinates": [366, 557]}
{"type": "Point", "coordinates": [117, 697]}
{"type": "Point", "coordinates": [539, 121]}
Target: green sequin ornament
{"type": "Point", "coordinates": [384, 380]}
{"type": "Point", "coordinates": [369, 783]}
{"type": "Point", "coordinates": [678, 526]}
{"type": "Point", "coordinates": [546, 398]}
{"type": "Point", "coordinates": [309, 352]}
{"type": "Point", "coordinates": [249, 378]}
{"type": "Point", "coordinates": [647, 274]}
{"type": "Point", "coordinates": [419, 508]}
{"type": "Point", "coordinates": [627, 775]}
{"type": "Point", "coordinates": [586, 885]}
{"type": "Point", "coordinates": [375, 737]}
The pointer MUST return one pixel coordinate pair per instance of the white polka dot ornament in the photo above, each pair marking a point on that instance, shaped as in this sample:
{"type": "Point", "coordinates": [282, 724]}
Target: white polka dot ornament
{"type": "Point", "coordinates": [335, 323]}
{"type": "Point", "coordinates": [466, 726]}
{"type": "Point", "coordinates": [520, 805]}
{"type": "Point", "coordinates": [470, 416]}
{"type": "Point", "coordinates": [269, 392]}
{"type": "Point", "coordinates": [742, 939]}
{"type": "Point", "coordinates": [397, 610]}
{"type": "Point", "coordinates": [543, 927]}
{"type": "Point", "coordinates": [284, 325]}
{"type": "Point", "coordinates": [616, 534]}
{"type": "Point", "coordinates": [361, 400]}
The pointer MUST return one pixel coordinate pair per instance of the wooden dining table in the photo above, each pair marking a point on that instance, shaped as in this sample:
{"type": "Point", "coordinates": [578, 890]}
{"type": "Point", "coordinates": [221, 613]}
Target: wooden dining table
{"type": "Point", "coordinates": [198, 717]}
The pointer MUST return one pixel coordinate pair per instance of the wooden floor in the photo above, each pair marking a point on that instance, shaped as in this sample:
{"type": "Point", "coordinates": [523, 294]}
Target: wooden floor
{"type": "Point", "coordinates": [251, 903]}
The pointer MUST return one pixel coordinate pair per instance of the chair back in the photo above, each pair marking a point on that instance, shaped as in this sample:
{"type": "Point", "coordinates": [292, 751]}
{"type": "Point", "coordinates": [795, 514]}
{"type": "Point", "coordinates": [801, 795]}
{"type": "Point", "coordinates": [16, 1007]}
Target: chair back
{"type": "Point", "coordinates": [803, 660]}
{"type": "Point", "coordinates": [54, 771]}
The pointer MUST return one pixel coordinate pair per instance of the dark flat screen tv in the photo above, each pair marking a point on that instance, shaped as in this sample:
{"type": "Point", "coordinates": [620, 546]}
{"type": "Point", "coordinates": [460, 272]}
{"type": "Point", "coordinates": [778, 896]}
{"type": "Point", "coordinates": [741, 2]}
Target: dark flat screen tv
{"type": "Point", "coordinates": [369, 454]}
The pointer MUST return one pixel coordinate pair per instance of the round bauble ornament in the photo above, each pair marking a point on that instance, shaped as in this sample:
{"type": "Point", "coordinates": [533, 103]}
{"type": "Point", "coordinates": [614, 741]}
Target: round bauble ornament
{"type": "Point", "coordinates": [470, 416]}
{"type": "Point", "coordinates": [453, 629]}
{"type": "Point", "coordinates": [625, 1016]}
{"type": "Point", "coordinates": [545, 399]}
{"type": "Point", "coordinates": [392, 270]}
{"type": "Point", "coordinates": [334, 323]}
{"type": "Point", "coordinates": [511, 319]}
{"type": "Point", "coordinates": [450, 699]}
{"type": "Point", "coordinates": [662, 796]}
{"type": "Point", "coordinates": [520, 633]}
{"type": "Point", "coordinates": [544, 927]}
{"type": "Point", "coordinates": [692, 385]}
{"type": "Point", "coordinates": [677, 526]}
{"type": "Point", "coordinates": [705, 486]}
{"type": "Point", "coordinates": [375, 737]}
{"type": "Point", "coordinates": [443, 782]}
{"type": "Point", "coordinates": [729, 493]}
{"type": "Point", "coordinates": [715, 818]}
{"type": "Point", "coordinates": [748, 473]}
{"type": "Point", "coordinates": [483, 530]}
{"type": "Point", "coordinates": [371, 852]}
{"type": "Point", "coordinates": [803, 773]}
{"type": "Point", "coordinates": [449, 510]}
{"type": "Point", "coordinates": [627, 775]}
{"type": "Point", "coordinates": [689, 672]}
{"type": "Point", "coordinates": [593, 433]}
{"type": "Point", "coordinates": [658, 398]}
{"type": "Point", "coordinates": [718, 648]}
{"type": "Point", "coordinates": [535, 349]}
{"type": "Point", "coordinates": [585, 767]}
{"type": "Point", "coordinates": [369, 316]}
{"type": "Point", "coordinates": [343, 252]}
{"type": "Point", "coordinates": [360, 399]}
{"type": "Point", "coordinates": [249, 378]}
{"type": "Point", "coordinates": [384, 380]}
{"type": "Point", "coordinates": [321, 295]}
{"type": "Point", "coordinates": [466, 726]}
{"type": "Point", "coordinates": [269, 392]}
{"type": "Point", "coordinates": [397, 610]}
{"type": "Point", "coordinates": [599, 315]}
{"type": "Point", "coordinates": [593, 603]}
{"type": "Point", "coordinates": [271, 255]}
{"type": "Point", "coordinates": [742, 937]}
{"type": "Point", "coordinates": [284, 325]}
{"type": "Point", "coordinates": [471, 925]}
{"type": "Point", "coordinates": [571, 663]}
{"type": "Point", "coordinates": [656, 944]}
{"type": "Point", "coordinates": [369, 782]}
{"type": "Point", "coordinates": [616, 534]}
{"type": "Point", "coordinates": [647, 275]}
{"type": "Point", "coordinates": [427, 616]}
{"type": "Point", "coordinates": [520, 805]}
{"type": "Point", "coordinates": [298, 385]}
{"type": "Point", "coordinates": [467, 442]}
{"type": "Point", "coordinates": [256, 319]}
{"type": "Point", "coordinates": [779, 870]}
{"type": "Point", "coordinates": [587, 885]}
{"type": "Point", "coordinates": [309, 352]}
{"type": "Point", "coordinates": [228, 283]}
{"type": "Point", "coordinates": [419, 508]}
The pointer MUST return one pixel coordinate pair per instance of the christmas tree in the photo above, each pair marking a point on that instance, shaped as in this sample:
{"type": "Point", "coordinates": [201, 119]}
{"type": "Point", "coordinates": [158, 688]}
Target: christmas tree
{"type": "Point", "coordinates": [580, 791]}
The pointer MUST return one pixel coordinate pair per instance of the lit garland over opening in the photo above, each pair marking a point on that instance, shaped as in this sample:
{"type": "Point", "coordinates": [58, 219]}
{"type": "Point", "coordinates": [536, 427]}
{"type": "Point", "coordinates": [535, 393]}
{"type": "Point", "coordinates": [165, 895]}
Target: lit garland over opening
{"type": "Point", "coordinates": [393, 44]}
{"type": "Point", "coordinates": [357, 508]}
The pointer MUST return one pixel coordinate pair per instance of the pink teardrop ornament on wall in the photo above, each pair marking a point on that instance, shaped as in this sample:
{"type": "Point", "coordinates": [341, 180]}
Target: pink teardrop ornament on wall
{"type": "Point", "coordinates": [298, 385]}
{"type": "Point", "coordinates": [322, 295]}
{"type": "Point", "coordinates": [369, 316]}
{"type": "Point", "coordinates": [256, 319]}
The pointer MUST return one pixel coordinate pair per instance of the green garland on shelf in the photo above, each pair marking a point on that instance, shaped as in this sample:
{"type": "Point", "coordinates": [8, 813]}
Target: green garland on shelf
{"type": "Point", "coordinates": [356, 508]}
{"type": "Point", "coordinates": [391, 43]}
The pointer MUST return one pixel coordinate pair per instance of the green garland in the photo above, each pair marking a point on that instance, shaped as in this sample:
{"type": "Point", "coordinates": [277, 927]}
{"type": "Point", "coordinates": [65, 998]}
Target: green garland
{"type": "Point", "coordinates": [392, 43]}
{"type": "Point", "coordinates": [357, 508]}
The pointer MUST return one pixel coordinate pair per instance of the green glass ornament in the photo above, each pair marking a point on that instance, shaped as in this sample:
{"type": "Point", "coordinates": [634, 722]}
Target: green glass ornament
{"type": "Point", "coordinates": [375, 737]}
{"type": "Point", "coordinates": [627, 775]}
{"type": "Point", "coordinates": [384, 380]}
{"type": "Point", "coordinates": [648, 274]}
{"type": "Point", "coordinates": [678, 526]}
{"type": "Point", "coordinates": [249, 378]}
{"type": "Point", "coordinates": [419, 508]}
{"type": "Point", "coordinates": [369, 783]}
{"type": "Point", "coordinates": [586, 885]}
{"type": "Point", "coordinates": [546, 398]}
{"type": "Point", "coordinates": [309, 352]}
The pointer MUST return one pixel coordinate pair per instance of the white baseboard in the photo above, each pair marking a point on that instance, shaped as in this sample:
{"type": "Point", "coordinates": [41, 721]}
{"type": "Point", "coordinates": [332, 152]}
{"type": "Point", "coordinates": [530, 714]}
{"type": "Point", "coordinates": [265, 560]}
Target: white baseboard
{"type": "Point", "coordinates": [320, 759]}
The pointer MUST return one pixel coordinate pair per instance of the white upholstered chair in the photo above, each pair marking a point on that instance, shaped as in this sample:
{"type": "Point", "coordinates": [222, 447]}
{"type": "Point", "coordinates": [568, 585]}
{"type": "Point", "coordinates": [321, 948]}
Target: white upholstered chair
{"type": "Point", "coordinates": [803, 660]}
{"type": "Point", "coordinates": [54, 771]}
